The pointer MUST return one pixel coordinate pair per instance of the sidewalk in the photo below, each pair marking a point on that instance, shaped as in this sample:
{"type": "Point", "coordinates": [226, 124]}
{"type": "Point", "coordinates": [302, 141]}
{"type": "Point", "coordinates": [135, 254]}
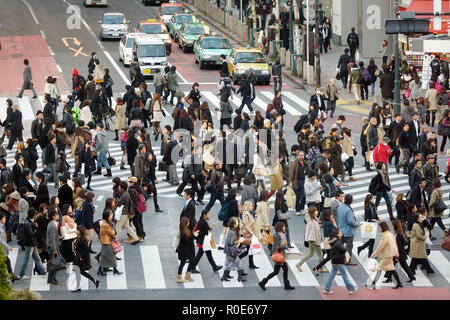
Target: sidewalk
{"type": "Point", "coordinates": [328, 63]}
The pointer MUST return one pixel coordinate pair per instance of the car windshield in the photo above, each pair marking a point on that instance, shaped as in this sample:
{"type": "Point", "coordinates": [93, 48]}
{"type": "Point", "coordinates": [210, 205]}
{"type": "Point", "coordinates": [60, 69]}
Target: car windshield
{"type": "Point", "coordinates": [129, 42]}
{"type": "Point", "coordinates": [184, 19]}
{"type": "Point", "coordinates": [152, 28]}
{"type": "Point", "coordinates": [193, 30]}
{"type": "Point", "coordinates": [216, 44]}
{"type": "Point", "coordinates": [171, 10]}
{"type": "Point", "coordinates": [151, 50]}
{"type": "Point", "coordinates": [110, 19]}
{"type": "Point", "coordinates": [250, 57]}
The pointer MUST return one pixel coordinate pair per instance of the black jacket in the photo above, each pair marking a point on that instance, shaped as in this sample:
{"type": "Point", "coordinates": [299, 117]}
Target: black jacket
{"type": "Point", "coordinates": [132, 145]}
{"type": "Point", "coordinates": [370, 213]}
{"type": "Point", "coordinates": [401, 244]}
{"type": "Point", "coordinates": [37, 132]}
{"type": "Point", "coordinates": [203, 230]}
{"type": "Point", "coordinates": [189, 212]}
{"type": "Point", "coordinates": [16, 121]}
{"type": "Point", "coordinates": [353, 36]}
{"type": "Point", "coordinates": [42, 196]}
{"type": "Point", "coordinates": [167, 158]}
{"type": "Point", "coordinates": [30, 234]}
{"type": "Point", "coordinates": [7, 122]}
{"type": "Point", "coordinates": [48, 113]}
{"type": "Point", "coordinates": [30, 157]}
{"type": "Point", "coordinates": [233, 209]}
{"type": "Point", "coordinates": [82, 255]}
{"type": "Point", "coordinates": [65, 195]}
{"type": "Point", "coordinates": [27, 184]}
{"type": "Point", "coordinates": [185, 122]}
{"type": "Point", "coordinates": [413, 136]}
{"type": "Point", "coordinates": [136, 114]}
{"type": "Point", "coordinates": [224, 68]}
{"type": "Point", "coordinates": [416, 197]}
{"type": "Point", "coordinates": [17, 174]}
{"type": "Point", "coordinates": [245, 88]}
{"type": "Point", "coordinates": [338, 251]}
{"type": "Point", "coordinates": [315, 101]}
{"type": "Point", "coordinates": [50, 156]}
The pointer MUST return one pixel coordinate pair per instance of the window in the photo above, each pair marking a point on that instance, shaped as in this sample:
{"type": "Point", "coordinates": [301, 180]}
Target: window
{"type": "Point", "coordinates": [113, 19]}
{"type": "Point", "coordinates": [152, 28]}
{"type": "Point", "coordinates": [211, 43]}
{"type": "Point", "coordinates": [194, 30]}
{"type": "Point", "coordinates": [129, 42]}
{"type": "Point", "coordinates": [151, 50]}
{"type": "Point", "coordinates": [184, 19]}
{"type": "Point", "coordinates": [171, 10]}
{"type": "Point", "coordinates": [250, 57]}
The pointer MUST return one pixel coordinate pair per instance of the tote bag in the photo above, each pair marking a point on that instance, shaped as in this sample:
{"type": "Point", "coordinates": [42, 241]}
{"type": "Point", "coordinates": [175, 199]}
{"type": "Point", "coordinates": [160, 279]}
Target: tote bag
{"type": "Point", "coordinates": [290, 198]}
{"type": "Point", "coordinates": [368, 230]}
{"type": "Point", "coordinates": [207, 242]}
{"type": "Point", "coordinates": [255, 247]}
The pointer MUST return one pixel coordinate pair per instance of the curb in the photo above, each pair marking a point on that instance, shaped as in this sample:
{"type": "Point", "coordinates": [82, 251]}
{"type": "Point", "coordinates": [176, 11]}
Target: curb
{"type": "Point", "coordinates": [230, 35]}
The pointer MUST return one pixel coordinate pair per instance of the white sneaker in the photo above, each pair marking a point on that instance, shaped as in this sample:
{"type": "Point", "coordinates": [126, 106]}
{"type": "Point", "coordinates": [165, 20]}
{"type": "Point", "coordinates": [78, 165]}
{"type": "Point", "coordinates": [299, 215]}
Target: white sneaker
{"type": "Point", "coordinates": [327, 292]}
{"type": "Point", "coordinates": [298, 213]}
{"type": "Point", "coordinates": [353, 291]}
{"type": "Point", "coordinates": [24, 277]}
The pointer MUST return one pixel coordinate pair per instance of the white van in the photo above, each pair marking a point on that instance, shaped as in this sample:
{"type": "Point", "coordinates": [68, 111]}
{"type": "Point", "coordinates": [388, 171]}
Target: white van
{"type": "Point", "coordinates": [151, 53]}
{"type": "Point", "coordinates": [96, 3]}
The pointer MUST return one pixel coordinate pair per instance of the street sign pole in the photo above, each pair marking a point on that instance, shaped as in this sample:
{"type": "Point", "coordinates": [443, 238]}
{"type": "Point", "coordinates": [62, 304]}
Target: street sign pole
{"type": "Point", "coordinates": [397, 108]}
{"type": "Point", "coordinates": [317, 45]}
{"type": "Point", "coordinates": [291, 30]}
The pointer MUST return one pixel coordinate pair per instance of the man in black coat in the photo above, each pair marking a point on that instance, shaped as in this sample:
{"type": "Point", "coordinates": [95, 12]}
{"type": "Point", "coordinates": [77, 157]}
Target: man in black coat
{"type": "Point", "coordinates": [342, 66]}
{"type": "Point", "coordinates": [394, 130]}
{"type": "Point", "coordinates": [50, 161]}
{"type": "Point", "coordinates": [353, 42]}
{"type": "Point", "coordinates": [65, 193]}
{"type": "Point", "coordinates": [16, 127]}
{"type": "Point", "coordinates": [246, 93]}
{"type": "Point", "coordinates": [168, 160]}
{"type": "Point", "coordinates": [189, 208]}
{"type": "Point", "coordinates": [224, 66]}
{"type": "Point", "coordinates": [318, 99]}
{"type": "Point", "coordinates": [414, 129]}
{"type": "Point", "coordinates": [418, 196]}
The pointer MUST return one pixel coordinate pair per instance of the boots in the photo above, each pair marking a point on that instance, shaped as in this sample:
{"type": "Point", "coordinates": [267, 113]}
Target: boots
{"type": "Point", "coordinates": [287, 285]}
{"type": "Point", "coordinates": [251, 264]}
{"type": "Point", "coordinates": [187, 277]}
{"type": "Point", "coordinates": [391, 215]}
{"type": "Point", "coordinates": [262, 284]}
{"type": "Point", "coordinates": [117, 135]}
{"type": "Point", "coordinates": [115, 271]}
{"type": "Point", "coordinates": [100, 272]}
{"type": "Point", "coordinates": [108, 173]}
{"type": "Point", "coordinates": [226, 276]}
{"type": "Point", "coordinates": [241, 276]}
{"type": "Point", "coordinates": [158, 209]}
{"type": "Point", "coordinates": [98, 172]}
{"type": "Point", "coordinates": [180, 279]}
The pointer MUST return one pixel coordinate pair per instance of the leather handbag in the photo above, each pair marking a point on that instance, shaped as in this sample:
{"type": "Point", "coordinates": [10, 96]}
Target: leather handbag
{"type": "Point", "coordinates": [111, 160]}
{"type": "Point", "coordinates": [439, 206]}
{"type": "Point", "coordinates": [56, 264]}
{"type": "Point", "coordinates": [234, 250]}
{"type": "Point", "coordinates": [162, 166]}
{"type": "Point", "coordinates": [278, 257]}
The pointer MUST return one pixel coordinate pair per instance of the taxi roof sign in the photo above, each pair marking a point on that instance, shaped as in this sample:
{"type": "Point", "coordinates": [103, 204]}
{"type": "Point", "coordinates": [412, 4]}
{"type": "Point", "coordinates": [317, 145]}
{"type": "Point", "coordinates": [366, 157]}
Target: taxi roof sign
{"type": "Point", "coordinates": [152, 20]}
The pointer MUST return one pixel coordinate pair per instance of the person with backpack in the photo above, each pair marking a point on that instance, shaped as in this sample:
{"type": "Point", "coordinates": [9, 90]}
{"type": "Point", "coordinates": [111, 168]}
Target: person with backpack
{"type": "Point", "coordinates": [229, 211]}
{"type": "Point", "coordinates": [367, 80]}
{"type": "Point", "coordinates": [139, 207]}
{"type": "Point", "coordinates": [353, 42]}
{"type": "Point", "coordinates": [127, 214]}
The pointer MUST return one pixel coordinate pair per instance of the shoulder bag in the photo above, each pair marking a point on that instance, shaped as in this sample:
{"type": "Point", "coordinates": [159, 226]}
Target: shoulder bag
{"type": "Point", "coordinates": [278, 257]}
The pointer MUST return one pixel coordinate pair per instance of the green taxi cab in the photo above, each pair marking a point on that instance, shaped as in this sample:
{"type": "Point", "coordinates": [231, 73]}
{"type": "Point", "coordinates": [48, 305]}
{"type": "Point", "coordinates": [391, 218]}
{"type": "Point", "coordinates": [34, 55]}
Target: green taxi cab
{"type": "Point", "coordinates": [243, 60]}
{"type": "Point", "coordinates": [189, 33]}
{"type": "Point", "coordinates": [177, 20]}
{"type": "Point", "coordinates": [209, 48]}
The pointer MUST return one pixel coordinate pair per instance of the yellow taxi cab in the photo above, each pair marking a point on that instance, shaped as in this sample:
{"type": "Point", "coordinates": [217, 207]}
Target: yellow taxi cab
{"type": "Point", "coordinates": [243, 60]}
{"type": "Point", "coordinates": [167, 10]}
{"type": "Point", "coordinates": [157, 28]}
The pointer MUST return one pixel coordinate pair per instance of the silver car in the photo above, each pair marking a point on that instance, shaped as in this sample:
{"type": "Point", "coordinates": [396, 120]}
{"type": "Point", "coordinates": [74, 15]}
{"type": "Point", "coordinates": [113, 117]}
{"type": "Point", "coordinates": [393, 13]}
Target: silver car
{"type": "Point", "coordinates": [113, 26]}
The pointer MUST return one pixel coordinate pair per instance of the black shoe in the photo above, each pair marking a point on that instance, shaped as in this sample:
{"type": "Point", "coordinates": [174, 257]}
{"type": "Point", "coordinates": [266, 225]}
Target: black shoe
{"type": "Point", "coordinates": [35, 270]}
{"type": "Point", "coordinates": [229, 277]}
{"type": "Point", "coordinates": [98, 172]}
{"type": "Point", "coordinates": [243, 274]}
{"type": "Point", "coordinates": [224, 278]}
{"type": "Point", "coordinates": [53, 281]}
{"type": "Point", "coordinates": [387, 281]}
{"type": "Point", "coordinates": [97, 282]}
{"type": "Point", "coordinates": [117, 272]}
{"type": "Point", "coordinates": [399, 285]}
{"type": "Point", "coordinates": [135, 242]}
{"type": "Point", "coordinates": [92, 251]}
{"type": "Point", "coordinates": [157, 209]}
{"type": "Point", "coordinates": [359, 250]}
{"type": "Point", "coordinates": [19, 97]}
{"type": "Point", "coordinates": [123, 168]}
{"type": "Point", "coordinates": [397, 170]}
{"type": "Point", "coordinates": [118, 259]}
{"type": "Point", "coordinates": [107, 269]}
{"type": "Point", "coordinates": [33, 97]}
{"type": "Point", "coordinates": [100, 272]}
{"type": "Point", "coordinates": [433, 238]}
{"type": "Point", "coordinates": [411, 279]}
{"type": "Point", "coordinates": [195, 271]}
{"type": "Point", "coordinates": [116, 139]}
{"type": "Point", "coordinates": [253, 267]}
{"type": "Point", "coordinates": [97, 257]}
{"type": "Point", "coordinates": [262, 285]}
{"type": "Point", "coordinates": [89, 188]}
{"type": "Point", "coordinates": [77, 290]}
{"type": "Point", "coordinates": [217, 268]}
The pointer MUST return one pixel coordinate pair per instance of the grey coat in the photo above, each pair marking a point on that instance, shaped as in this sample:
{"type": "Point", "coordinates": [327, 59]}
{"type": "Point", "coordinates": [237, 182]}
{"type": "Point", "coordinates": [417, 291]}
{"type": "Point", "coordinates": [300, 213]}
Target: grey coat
{"type": "Point", "coordinates": [172, 82]}
{"type": "Point", "coordinates": [101, 141]}
{"type": "Point", "coordinates": [52, 236]}
{"type": "Point", "coordinates": [249, 192]}
{"type": "Point", "coordinates": [27, 74]}
{"type": "Point", "coordinates": [226, 110]}
{"type": "Point", "coordinates": [3, 241]}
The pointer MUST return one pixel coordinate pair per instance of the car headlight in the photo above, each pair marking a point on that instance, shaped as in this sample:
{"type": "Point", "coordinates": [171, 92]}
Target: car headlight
{"type": "Point", "coordinates": [141, 63]}
{"type": "Point", "coordinates": [164, 63]}
{"type": "Point", "coordinates": [265, 72]}
{"type": "Point", "coordinates": [240, 71]}
{"type": "Point", "coordinates": [207, 56]}
{"type": "Point", "coordinates": [189, 41]}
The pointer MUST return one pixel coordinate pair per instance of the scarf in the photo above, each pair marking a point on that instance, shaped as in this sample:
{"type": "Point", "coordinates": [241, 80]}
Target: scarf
{"type": "Point", "coordinates": [385, 178]}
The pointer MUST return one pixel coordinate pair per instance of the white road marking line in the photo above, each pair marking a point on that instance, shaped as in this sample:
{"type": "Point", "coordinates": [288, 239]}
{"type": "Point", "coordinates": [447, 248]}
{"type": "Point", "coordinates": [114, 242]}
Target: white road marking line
{"type": "Point", "coordinates": [219, 258]}
{"type": "Point", "coordinates": [31, 10]}
{"type": "Point", "coordinates": [152, 267]}
{"type": "Point", "coordinates": [51, 51]}
{"type": "Point", "coordinates": [421, 279]}
{"type": "Point", "coordinates": [110, 58]}
{"type": "Point", "coordinates": [286, 105]}
{"type": "Point", "coordinates": [59, 68]}
{"type": "Point", "coordinates": [306, 277]}
{"type": "Point", "coordinates": [440, 263]}
{"type": "Point", "coordinates": [363, 260]}
{"type": "Point", "coordinates": [43, 35]}
{"type": "Point", "coordinates": [3, 109]}
{"type": "Point", "coordinates": [265, 268]}
{"type": "Point", "coordinates": [26, 109]}
{"type": "Point", "coordinates": [118, 282]}
{"type": "Point", "coordinates": [300, 102]}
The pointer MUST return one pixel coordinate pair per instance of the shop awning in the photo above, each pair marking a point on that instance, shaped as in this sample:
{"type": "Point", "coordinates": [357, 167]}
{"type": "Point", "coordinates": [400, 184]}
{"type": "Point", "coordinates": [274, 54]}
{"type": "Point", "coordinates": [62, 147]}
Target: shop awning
{"type": "Point", "coordinates": [427, 6]}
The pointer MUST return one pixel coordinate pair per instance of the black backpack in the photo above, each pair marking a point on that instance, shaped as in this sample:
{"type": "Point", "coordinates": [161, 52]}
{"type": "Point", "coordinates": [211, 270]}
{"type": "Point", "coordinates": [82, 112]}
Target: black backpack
{"type": "Point", "coordinates": [21, 234]}
{"type": "Point", "coordinates": [81, 81]}
{"type": "Point", "coordinates": [373, 185]}
{"type": "Point", "coordinates": [298, 126]}
{"type": "Point", "coordinates": [352, 39]}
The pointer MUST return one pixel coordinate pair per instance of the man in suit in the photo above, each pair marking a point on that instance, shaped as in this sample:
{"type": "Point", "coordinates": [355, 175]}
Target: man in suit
{"type": "Point", "coordinates": [189, 208]}
{"type": "Point", "coordinates": [395, 129]}
{"type": "Point", "coordinates": [318, 99]}
{"type": "Point", "coordinates": [16, 127]}
{"type": "Point", "coordinates": [65, 193]}
{"type": "Point", "coordinates": [42, 195]}
{"type": "Point", "coordinates": [418, 196]}
{"type": "Point", "coordinates": [414, 129]}
{"type": "Point", "coordinates": [168, 159]}
{"type": "Point", "coordinates": [27, 80]}
{"type": "Point", "coordinates": [52, 243]}
{"type": "Point", "coordinates": [27, 181]}
{"type": "Point", "coordinates": [342, 66]}
{"type": "Point", "coordinates": [422, 140]}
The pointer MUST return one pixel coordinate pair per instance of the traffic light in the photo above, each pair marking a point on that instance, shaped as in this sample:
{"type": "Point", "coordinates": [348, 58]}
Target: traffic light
{"type": "Point", "coordinates": [406, 26]}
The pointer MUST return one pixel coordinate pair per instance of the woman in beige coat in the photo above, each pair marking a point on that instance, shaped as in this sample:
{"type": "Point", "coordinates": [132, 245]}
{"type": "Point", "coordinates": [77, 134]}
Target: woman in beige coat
{"type": "Point", "coordinates": [431, 102]}
{"type": "Point", "coordinates": [387, 250]}
{"type": "Point", "coordinates": [262, 226]}
{"type": "Point", "coordinates": [276, 177]}
{"type": "Point", "coordinates": [121, 120]}
{"type": "Point", "coordinates": [436, 195]}
{"type": "Point", "coordinates": [417, 248]}
{"type": "Point", "coordinates": [347, 146]}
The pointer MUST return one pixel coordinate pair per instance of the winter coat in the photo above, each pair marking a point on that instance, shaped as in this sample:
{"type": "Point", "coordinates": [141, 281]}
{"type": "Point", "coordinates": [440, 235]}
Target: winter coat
{"type": "Point", "coordinates": [417, 247]}
{"type": "Point", "coordinates": [132, 145]}
{"type": "Point", "coordinates": [121, 120]}
{"type": "Point", "coordinates": [387, 85]}
{"type": "Point", "coordinates": [86, 158]}
{"type": "Point", "coordinates": [436, 195]}
{"type": "Point", "coordinates": [101, 141]}
{"type": "Point", "coordinates": [312, 231]}
{"type": "Point", "coordinates": [311, 191]}
{"type": "Point", "coordinates": [172, 82]}
{"type": "Point", "coordinates": [82, 255]}
{"type": "Point", "coordinates": [335, 159]}
{"type": "Point", "coordinates": [338, 251]}
{"type": "Point", "coordinates": [276, 180]}
{"type": "Point", "coordinates": [387, 249]}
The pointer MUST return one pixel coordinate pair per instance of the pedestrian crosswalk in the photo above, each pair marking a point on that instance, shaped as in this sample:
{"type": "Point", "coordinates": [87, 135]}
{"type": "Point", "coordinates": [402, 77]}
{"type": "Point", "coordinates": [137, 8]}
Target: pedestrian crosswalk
{"type": "Point", "coordinates": [157, 273]}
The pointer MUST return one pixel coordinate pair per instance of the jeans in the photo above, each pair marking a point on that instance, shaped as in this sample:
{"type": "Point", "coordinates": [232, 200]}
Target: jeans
{"type": "Point", "coordinates": [343, 271]}
{"type": "Point", "coordinates": [246, 101]}
{"type": "Point", "coordinates": [31, 252]}
{"type": "Point", "coordinates": [172, 95]}
{"type": "Point", "coordinates": [372, 86]}
{"type": "Point", "coordinates": [43, 156]}
{"type": "Point", "coordinates": [277, 84]}
{"type": "Point", "coordinates": [53, 174]}
{"type": "Point", "coordinates": [300, 197]}
{"type": "Point", "coordinates": [55, 105]}
{"type": "Point", "coordinates": [385, 195]}
{"type": "Point", "coordinates": [215, 196]}
{"type": "Point", "coordinates": [102, 160]}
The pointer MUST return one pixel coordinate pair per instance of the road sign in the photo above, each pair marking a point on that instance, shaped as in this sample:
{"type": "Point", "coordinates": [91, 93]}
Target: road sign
{"type": "Point", "coordinates": [407, 26]}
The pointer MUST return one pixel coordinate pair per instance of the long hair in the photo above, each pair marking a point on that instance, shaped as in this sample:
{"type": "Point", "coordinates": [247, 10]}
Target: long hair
{"type": "Point", "coordinates": [279, 198]}
{"type": "Point", "coordinates": [397, 225]}
{"type": "Point", "coordinates": [184, 230]}
{"type": "Point", "coordinates": [82, 235]}
{"type": "Point", "coordinates": [367, 200]}
{"type": "Point", "coordinates": [109, 204]}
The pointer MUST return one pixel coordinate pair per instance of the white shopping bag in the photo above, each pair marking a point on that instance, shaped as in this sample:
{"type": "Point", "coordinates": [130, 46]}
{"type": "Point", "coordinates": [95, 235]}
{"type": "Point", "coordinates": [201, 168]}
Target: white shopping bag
{"type": "Point", "coordinates": [82, 168]}
{"type": "Point", "coordinates": [207, 242]}
{"type": "Point", "coordinates": [219, 115]}
{"type": "Point", "coordinates": [368, 230]}
{"type": "Point", "coordinates": [372, 265]}
{"type": "Point", "coordinates": [118, 213]}
{"type": "Point", "coordinates": [255, 247]}
{"type": "Point", "coordinates": [357, 56]}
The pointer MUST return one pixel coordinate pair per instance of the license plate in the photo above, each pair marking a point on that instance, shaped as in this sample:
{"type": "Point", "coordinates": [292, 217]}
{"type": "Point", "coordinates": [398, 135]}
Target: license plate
{"type": "Point", "coordinates": [147, 71]}
{"type": "Point", "coordinates": [115, 34]}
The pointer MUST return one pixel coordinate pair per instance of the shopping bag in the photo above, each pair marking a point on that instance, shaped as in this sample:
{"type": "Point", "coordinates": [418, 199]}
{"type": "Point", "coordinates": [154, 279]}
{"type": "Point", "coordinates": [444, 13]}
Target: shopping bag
{"type": "Point", "coordinates": [368, 230]}
{"type": "Point", "coordinates": [219, 115]}
{"type": "Point", "coordinates": [118, 213]}
{"type": "Point", "coordinates": [207, 242]}
{"type": "Point", "coordinates": [269, 238]}
{"type": "Point", "coordinates": [56, 264]}
{"type": "Point", "coordinates": [117, 247]}
{"type": "Point", "coordinates": [83, 166]}
{"type": "Point", "coordinates": [176, 241]}
{"type": "Point", "coordinates": [255, 247]}
{"type": "Point", "coordinates": [213, 241]}
{"type": "Point", "coordinates": [290, 198]}
{"type": "Point", "coordinates": [357, 55]}
{"type": "Point", "coordinates": [372, 265]}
